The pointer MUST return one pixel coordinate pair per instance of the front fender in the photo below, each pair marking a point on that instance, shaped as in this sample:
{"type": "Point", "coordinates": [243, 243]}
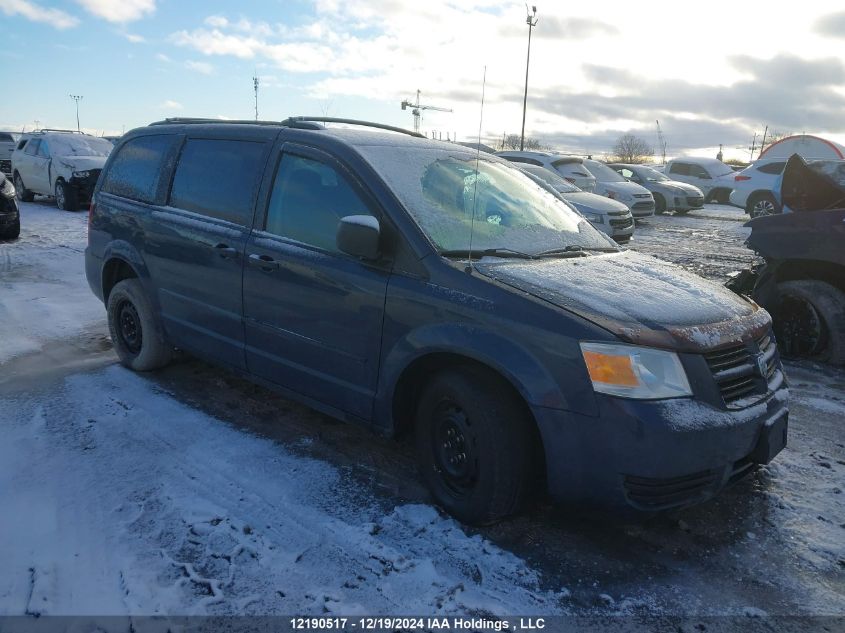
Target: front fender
{"type": "Point", "coordinates": [501, 354]}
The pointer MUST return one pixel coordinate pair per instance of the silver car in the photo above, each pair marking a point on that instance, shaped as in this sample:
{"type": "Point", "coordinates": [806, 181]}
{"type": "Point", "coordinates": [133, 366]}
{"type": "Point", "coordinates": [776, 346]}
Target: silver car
{"type": "Point", "coordinates": [570, 168]}
{"type": "Point", "coordinates": [608, 216]}
{"type": "Point", "coordinates": [674, 195]}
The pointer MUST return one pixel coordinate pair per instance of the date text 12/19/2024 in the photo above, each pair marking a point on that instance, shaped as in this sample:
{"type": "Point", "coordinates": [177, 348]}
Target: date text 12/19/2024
{"type": "Point", "coordinates": [414, 623]}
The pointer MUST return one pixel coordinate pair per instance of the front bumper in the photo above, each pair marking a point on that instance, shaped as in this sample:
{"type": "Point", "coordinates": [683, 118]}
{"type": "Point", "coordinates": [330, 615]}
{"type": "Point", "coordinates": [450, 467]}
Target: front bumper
{"type": "Point", "coordinates": [642, 208]}
{"type": "Point", "coordinates": [9, 213]}
{"type": "Point", "coordinates": [656, 455]}
{"type": "Point", "coordinates": [685, 203]}
{"type": "Point", "coordinates": [85, 186]}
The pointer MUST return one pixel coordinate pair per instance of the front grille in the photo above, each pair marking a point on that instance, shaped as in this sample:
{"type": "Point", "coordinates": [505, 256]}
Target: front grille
{"type": "Point", "coordinates": [644, 205]}
{"type": "Point", "coordinates": [622, 224]}
{"type": "Point", "coordinates": [6, 166]}
{"type": "Point", "coordinates": [642, 195]}
{"type": "Point", "coordinates": [737, 372]}
{"type": "Point", "coordinates": [666, 492]}
{"type": "Point", "coordinates": [696, 201]}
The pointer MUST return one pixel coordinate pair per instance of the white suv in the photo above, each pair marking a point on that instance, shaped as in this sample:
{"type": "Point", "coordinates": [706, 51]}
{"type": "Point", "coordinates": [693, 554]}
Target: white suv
{"type": "Point", "coordinates": [713, 177]}
{"type": "Point", "coordinates": [754, 187]}
{"type": "Point", "coordinates": [58, 163]}
{"type": "Point", "coordinates": [570, 168]}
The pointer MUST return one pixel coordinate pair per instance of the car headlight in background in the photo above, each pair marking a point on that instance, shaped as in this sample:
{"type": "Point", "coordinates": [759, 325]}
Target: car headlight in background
{"type": "Point", "coordinates": [637, 372]}
{"type": "Point", "coordinates": [593, 217]}
{"type": "Point", "coordinates": [81, 174]}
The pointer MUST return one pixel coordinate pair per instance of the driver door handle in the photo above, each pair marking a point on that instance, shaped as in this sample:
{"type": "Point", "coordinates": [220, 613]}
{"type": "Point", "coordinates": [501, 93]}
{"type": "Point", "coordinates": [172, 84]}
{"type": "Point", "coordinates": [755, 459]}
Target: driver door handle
{"type": "Point", "coordinates": [264, 262]}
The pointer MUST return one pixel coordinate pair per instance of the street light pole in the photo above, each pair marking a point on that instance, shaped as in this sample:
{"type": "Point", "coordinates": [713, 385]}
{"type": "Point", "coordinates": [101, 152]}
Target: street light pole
{"type": "Point", "coordinates": [76, 98]}
{"type": "Point", "coordinates": [531, 21]}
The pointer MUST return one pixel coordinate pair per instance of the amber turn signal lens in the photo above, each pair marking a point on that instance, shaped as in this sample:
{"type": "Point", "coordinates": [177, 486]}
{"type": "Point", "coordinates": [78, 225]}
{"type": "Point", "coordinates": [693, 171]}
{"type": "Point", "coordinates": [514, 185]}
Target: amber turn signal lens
{"type": "Point", "coordinates": [610, 369]}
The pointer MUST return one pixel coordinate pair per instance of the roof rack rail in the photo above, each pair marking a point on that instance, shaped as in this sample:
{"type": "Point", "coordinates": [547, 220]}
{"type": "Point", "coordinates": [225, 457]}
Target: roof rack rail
{"type": "Point", "coordinates": [297, 121]}
{"type": "Point", "coordinates": [50, 129]}
{"type": "Point", "coordinates": [301, 122]}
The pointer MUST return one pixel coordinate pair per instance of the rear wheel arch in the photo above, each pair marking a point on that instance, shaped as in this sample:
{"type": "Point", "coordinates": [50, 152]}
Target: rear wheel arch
{"type": "Point", "coordinates": [801, 270]}
{"type": "Point", "coordinates": [116, 269]}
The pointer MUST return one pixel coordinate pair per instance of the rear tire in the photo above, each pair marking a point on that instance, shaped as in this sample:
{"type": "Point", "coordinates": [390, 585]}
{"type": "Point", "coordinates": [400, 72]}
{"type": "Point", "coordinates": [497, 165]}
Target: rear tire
{"type": "Point", "coordinates": [22, 193]}
{"type": "Point", "coordinates": [809, 321]}
{"type": "Point", "coordinates": [659, 203]}
{"type": "Point", "coordinates": [474, 445]}
{"type": "Point", "coordinates": [11, 232]}
{"type": "Point", "coordinates": [134, 327]}
{"type": "Point", "coordinates": [682, 211]}
{"type": "Point", "coordinates": [66, 196]}
{"type": "Point", "coordinates": [762, 204]}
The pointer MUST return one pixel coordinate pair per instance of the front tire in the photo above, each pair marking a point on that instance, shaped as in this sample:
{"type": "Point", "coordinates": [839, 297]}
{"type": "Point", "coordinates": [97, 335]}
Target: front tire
{"type": "Point", "coordinates": [659, 203]}
{"type": "Point", "coordinates": [474, 445]}
{"type": "Point", "coordinates": [135, 331]}
{"type": "Point", "coordinates": [66, 196]}
{"type": "Point", "coordinates": [11, 232]}
{"type": "Point", "coordinates": [22, 193]}
{"type": "Point", "coordinates": [809, 321]}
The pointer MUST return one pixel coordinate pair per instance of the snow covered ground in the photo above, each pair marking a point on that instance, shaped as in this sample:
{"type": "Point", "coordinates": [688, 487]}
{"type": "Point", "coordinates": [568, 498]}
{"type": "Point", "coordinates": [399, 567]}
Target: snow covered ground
{"type": "Point", "coordinates": [194, 492]}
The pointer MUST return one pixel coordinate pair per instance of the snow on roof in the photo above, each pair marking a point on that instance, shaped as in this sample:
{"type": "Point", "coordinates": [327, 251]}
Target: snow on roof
{"type": "Point", "coordinates": [807, 145]}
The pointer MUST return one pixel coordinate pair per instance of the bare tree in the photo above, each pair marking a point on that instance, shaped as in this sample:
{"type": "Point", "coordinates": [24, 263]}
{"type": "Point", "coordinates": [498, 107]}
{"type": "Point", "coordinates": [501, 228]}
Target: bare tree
{"type": "Point", "coordinates": [632, 149]}
{"type": "Point", "coordinates": [511, 141]}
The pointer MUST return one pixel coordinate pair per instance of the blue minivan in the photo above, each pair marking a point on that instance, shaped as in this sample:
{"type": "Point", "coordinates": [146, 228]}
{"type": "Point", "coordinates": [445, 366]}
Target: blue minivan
{"type": "Point", "coordinates": [421, 287]}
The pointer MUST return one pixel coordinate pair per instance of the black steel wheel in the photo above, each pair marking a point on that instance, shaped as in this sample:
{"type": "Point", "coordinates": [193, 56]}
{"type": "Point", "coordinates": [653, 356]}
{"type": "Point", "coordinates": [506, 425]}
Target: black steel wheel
{"type": "Point", "coordinates": [135, 329]}
{"type": "Point", "coordinates": [809, 321]}
{"type": "Point", "coordinates": [475, 444]}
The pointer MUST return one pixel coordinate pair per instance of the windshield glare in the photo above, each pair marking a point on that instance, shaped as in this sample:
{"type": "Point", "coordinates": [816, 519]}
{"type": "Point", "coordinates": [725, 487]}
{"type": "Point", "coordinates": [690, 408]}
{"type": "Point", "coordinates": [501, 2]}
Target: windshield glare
{"type": "Point", "coordinates": [72, 145]}
{"type": "Point", "coordinates": [440, 189]}
{"type": "Point", "coordinates": [603, 173]}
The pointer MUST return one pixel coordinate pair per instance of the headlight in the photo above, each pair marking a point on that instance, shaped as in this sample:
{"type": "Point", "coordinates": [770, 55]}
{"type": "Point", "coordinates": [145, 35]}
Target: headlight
{"type": "Point", "coordinates": [81, 174]}
{"type": "Point", "coordinates": [593, 217]}
{"type": "Point", "coordinates": [8, 188]}
{"type": "Point", "coordinates": [637, 372]}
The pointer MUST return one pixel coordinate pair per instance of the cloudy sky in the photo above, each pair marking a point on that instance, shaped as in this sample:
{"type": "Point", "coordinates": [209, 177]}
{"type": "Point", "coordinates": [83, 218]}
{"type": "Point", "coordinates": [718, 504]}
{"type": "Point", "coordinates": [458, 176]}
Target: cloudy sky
{"type": "Point", "coordinates": [716, 73]}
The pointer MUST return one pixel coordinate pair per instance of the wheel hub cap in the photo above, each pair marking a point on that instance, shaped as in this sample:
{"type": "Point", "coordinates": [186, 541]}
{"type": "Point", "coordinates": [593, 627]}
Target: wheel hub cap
{"type": "Point", "coordinates": [454, 454]}
{"type": "Point", "coordinates": [129, 326]}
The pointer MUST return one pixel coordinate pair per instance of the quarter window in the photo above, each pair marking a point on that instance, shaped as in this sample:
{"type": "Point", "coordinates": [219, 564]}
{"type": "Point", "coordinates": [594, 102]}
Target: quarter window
{"type": "Point", "coordinates": [136, 172]}
{"type": "Point", "coordinates": [32, 147]}
{"type": "Point", "coordinates": [218, 178]}
{"type": "Point", "coordinates": [43, 150]}
{"type": "Point", "coordinates": [308, 200]}
{"type": "Point", "coordinates": [772, 168]}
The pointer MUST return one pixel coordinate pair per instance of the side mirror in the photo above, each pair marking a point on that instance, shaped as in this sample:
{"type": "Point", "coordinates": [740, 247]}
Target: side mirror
{"type": "Point", "coordinates": [358, 235]}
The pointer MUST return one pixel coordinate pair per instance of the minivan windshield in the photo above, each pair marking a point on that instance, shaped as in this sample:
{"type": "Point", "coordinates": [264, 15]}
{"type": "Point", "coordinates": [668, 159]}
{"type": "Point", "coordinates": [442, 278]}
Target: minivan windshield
{"type": "Point", "coordinates": [443, 190]}
{"type": "Point", "coordinates": [603, 173]}
{"type": "Point", "coordinates": [79, 145]}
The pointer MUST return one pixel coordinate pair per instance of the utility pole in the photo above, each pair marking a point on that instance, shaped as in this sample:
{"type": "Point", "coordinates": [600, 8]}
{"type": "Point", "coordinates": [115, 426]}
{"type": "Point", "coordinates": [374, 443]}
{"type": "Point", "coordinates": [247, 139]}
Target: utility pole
{"type": "Point", "coordinates": [531, 21]}
{"type": "Point", "coordinates": [763, 143]}
{"type": "Point", "coordinates": [255, 85]}
{"type": "Point", "coordinates": [753, 145]}
{"type": "Point", "coordinates": [76, 98]}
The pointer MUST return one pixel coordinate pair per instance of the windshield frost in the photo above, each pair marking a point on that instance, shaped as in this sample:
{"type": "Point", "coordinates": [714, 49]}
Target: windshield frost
{"type": "Point", "coordinates": [647, 173]}
{"type": "Point", "coordinates": [440, 189]}
{"type": "Point", "coordinates": [72, 145]}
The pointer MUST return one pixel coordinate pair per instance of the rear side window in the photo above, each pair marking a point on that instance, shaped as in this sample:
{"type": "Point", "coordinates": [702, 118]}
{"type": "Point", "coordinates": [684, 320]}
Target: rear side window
{"type": "Point", "coordinates": [772, 168]}
{"type": "Point", "coordinates": [32, 147]}
{"type": "Point", "coordinates": [139, 167]}
{"type": "Point", "coordinates": [218, 178]}
{"type": "Point", "coordinates": [698, 171]}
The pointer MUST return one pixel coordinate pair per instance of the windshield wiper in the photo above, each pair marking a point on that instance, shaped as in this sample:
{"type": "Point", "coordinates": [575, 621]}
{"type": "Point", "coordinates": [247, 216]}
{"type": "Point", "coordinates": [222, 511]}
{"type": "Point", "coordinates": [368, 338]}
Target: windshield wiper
{"type": "Point", "coordinates": [574, 250]}
{"type": "Point", "coordinates": [487, 252]}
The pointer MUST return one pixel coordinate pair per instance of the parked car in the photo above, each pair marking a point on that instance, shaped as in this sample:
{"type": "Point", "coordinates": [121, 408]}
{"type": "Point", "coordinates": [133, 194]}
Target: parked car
{"type": "Point", "coordinates": [802, 280]}
{"type": "Point", "coordinates": [754, 187]}
{"type": "Point", "coordinates": [712, 176]}
{"type": "Point", "coordinates": [608, 216]}
{"type": "Point", "coordinates": [59, 163]}
{"type": "Point", "coordinates": [668, 194]}
{"type": "Point", "coordinates": [10, 219]}
{"type": "Point", "coordinates": [611, 184]}
{"type": "Point", "coordinates": [419, 287]}
{"type": "Point", "coordinates": [7, 146]}
{"type": "Point", "coordinates": [570, 168]}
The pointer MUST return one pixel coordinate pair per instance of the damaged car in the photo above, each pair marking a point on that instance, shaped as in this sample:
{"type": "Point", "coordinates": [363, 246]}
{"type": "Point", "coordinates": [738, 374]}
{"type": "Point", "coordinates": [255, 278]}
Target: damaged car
{"type": "Point", "coordinates": [802, 279]}
{"type": "Point", "coordinates": [59, 163]}
{"type": "Point", "coordinates": [427, 290]}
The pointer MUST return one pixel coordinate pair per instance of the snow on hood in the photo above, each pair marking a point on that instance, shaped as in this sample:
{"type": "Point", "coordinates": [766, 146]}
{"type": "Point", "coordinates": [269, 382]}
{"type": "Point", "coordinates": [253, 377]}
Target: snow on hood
{"type": "Point", "coordinates": [583, 200]}
{"type": "Point", "coordinates": [625, 187]}
{"type": "Point", "coordinates": [639, 298]}
{"type": "Point", "coordinates": [81, 163]}
{"type": "Point", "coordinates": [683, 186]}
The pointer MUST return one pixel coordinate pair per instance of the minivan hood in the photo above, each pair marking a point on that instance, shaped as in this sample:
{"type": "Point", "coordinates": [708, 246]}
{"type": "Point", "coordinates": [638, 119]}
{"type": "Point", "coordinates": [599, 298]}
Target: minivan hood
{"type": "Point", "coordinates": [82, 163]}
{"type": "Point", "coordinates": [641, 299]}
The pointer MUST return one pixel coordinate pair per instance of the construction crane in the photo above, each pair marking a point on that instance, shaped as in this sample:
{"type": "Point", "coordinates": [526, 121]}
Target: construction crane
{"type": "Point", "coordinates": [416, 110]}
